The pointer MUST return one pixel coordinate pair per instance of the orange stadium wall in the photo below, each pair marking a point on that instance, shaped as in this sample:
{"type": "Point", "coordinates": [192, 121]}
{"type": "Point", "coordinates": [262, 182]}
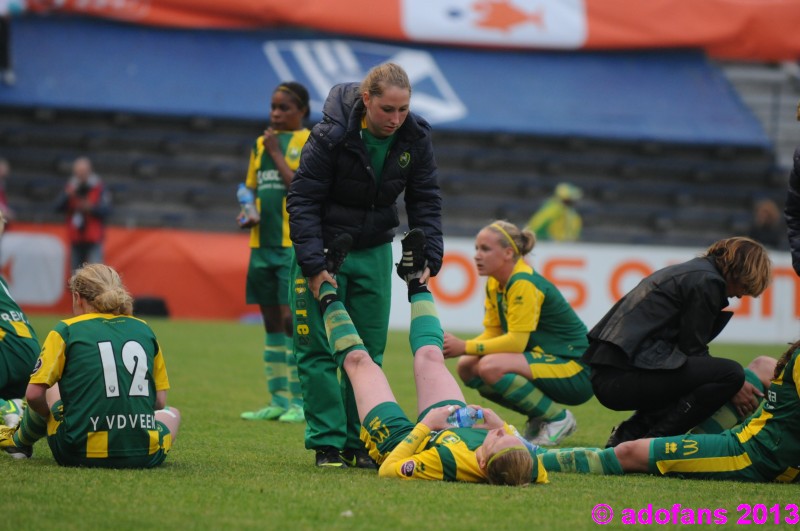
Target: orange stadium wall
{"type": "Point", "coordinates": [199, 275]}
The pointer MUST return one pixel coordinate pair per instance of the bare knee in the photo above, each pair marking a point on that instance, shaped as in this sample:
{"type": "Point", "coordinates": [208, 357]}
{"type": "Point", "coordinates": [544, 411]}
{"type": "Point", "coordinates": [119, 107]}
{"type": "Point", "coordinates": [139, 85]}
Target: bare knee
{"type": "Point", "coordinates": [490, 370]}
{"type": "Point", "coordinates": [633, 456]}
{"type": "Point", "coordinates": [429, 354]}
{"type": "Point", "coordinates": [467, 367]}
{"type": "Point", "coordinates": [764, 368]}
{"type": "Point", "coordinates": [355, 359]}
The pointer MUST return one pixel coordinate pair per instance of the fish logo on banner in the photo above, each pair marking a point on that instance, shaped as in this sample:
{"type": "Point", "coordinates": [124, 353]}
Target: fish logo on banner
{"type": "Point", "coordinates": [538, 23]}
{"type": "Point", "coordinates": [321, 64]}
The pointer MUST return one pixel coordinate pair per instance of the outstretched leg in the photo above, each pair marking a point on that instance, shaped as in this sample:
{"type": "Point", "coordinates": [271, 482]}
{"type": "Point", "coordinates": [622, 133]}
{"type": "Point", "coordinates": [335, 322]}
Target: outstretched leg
{"type": "Point", "coordinates": [370, 385]}
{"type": "Point", "coordinates": [593, 460]}
{"type": "Point", "coordinates": [434, 381]}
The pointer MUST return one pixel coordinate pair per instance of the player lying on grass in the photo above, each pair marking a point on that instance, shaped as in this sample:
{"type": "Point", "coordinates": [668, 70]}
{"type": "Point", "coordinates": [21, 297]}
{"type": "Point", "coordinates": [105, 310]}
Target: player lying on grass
{"type": "Point", "coordinates": [766, 447]}
{"type": "Point", "coordinates": [492, 452]}
{"type": "Point", "coordinates": [99, 388]}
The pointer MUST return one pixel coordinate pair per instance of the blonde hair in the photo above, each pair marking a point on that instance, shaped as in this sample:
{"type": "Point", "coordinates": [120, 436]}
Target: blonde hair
{"type": "Point", "coordinates": [385, 75]}
{"type": "Point", "coordinates": [102, 288]}
{"type": "Point", "coordinates": [742, 260]}
{"type": "Point", "coordinates": [512, 466]}
{"type": "Point", "coordinates": [521, 240]}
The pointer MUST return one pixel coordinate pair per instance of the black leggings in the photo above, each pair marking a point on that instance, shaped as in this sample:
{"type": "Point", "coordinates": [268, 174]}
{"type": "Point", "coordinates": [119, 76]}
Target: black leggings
{"type": "Point", "coordinates": [712, 382]}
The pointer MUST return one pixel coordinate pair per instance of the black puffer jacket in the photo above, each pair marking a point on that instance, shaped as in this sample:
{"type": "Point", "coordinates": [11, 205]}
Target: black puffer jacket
{"type": "Point", "coordinates": [793, 211]}
{"type": "Point", "coordinates": [671, 314]}
{"type": "Point", "coordinates": [335, 191]}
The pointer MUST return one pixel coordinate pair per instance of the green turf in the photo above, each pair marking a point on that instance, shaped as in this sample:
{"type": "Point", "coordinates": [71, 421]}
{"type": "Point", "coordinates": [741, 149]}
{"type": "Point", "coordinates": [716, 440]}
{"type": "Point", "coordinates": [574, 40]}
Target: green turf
{"type": "Point", "coordinates": [227, 473]}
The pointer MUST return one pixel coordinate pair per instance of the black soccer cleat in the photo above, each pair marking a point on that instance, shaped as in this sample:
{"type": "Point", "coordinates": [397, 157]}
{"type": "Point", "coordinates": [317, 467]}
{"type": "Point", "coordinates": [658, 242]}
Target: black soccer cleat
{"type": "Point", "coordinates": [328, 457]}
{"type": "Point", "coordinates": [358, 459]}
{"type": "Point", "coordinates": [337, 252]}
{"type": "Point", "coordinates": [413, 262]}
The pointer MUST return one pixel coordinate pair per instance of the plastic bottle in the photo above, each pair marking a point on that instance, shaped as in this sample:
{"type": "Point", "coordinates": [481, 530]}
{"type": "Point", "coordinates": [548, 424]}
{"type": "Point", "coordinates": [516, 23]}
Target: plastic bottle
{"type": "Point", "coordinates": [247, 202]}
{"type": "Point", "coordinates": [465, 417]}
{"type": "Point", "coordinates": [533, 448]}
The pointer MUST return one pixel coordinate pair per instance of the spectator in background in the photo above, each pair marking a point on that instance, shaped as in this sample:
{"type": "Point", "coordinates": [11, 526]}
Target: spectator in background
{"type": "Point", "coordinates": [273, 161]}
{"type": "Point", "coordinates": [5, 172]}
{"type": "Point", "coordinates": [557, 218]}
{"type": "Point", "coordinates": [87, 205]}
{"type": "Point", "coordinates": [768, 227]}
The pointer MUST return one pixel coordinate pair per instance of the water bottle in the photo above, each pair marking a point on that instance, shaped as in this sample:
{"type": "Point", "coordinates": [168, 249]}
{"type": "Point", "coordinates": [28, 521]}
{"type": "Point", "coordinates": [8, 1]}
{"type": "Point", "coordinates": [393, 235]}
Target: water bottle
{"type": "Point", "coordinates": [247, 202]}
{"type": "Point", "coordinates": [464, 417]}
{"type": "Point", "coordinates": [532, 448]}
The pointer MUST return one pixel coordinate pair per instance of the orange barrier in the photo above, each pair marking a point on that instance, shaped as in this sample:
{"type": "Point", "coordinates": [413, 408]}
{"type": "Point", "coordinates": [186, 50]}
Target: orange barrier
{"type": "Point", "coordinates": [732, 29]}
{"type": "Point", "coordinates": [198, 274]}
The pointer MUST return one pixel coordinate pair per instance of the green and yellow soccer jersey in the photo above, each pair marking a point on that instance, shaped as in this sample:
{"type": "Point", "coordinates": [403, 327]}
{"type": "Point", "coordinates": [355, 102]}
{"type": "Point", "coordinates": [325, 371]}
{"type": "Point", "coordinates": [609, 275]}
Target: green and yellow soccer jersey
{"type": "Point", "coordinates": [532, 304]}
{"type": "Point", "coordinates": [447, 455]}
{"type": "Point", "coordinates": [263, 177]}
{"type": "Point", "coordinates": [771, 437]}
{"type": "Point", "coordinates": [14, 323]}
{"type": "Point", "coordinates": [108, 370]}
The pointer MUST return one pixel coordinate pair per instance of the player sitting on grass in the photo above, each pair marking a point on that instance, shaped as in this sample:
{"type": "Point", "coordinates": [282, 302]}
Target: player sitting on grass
{"type": "Point", "coordinates": [765, 448]}
{"type": "Point", "coordinates": [99, 388]}
{"type": "Point", "coordinates": [492, 452]}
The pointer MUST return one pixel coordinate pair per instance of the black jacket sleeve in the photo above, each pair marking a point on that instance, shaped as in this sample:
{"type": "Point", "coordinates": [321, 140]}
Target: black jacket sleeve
{"type": "Point", "coordinates": [793, 212]}
{"type": "Point", "coordinates": [304, 203]}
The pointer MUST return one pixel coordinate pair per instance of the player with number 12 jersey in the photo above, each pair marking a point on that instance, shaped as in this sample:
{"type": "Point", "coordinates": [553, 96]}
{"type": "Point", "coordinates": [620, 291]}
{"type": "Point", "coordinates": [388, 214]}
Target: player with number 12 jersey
{"type": "Point", "coordinates": [108, 369]}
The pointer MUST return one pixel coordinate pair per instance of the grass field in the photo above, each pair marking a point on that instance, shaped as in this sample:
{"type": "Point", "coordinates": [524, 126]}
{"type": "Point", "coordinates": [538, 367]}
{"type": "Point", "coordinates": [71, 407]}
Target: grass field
{"type": "Point", "coordinates": [227, 473]}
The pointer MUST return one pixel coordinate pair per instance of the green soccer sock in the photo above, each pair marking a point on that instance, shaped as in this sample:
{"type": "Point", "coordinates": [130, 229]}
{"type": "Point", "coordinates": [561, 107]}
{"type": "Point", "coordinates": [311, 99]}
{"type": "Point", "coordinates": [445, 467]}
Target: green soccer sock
{"type": "Point", "coordinates": [488, 392]}
{"type": "Point", "coordinates": [342, 334]}
{"type": "Point", "coordinates": [582, 460]}
{"type": "Point", "coordinates": [32, 427]}
{"type": "Point", "coordinates": [426, 329]}
{"type": "Point", "coordinates": [295, 392]}
{"type": "Point", "coordinates": [276, 369]}
{"type": "Point", "coordinates": [527, 399]}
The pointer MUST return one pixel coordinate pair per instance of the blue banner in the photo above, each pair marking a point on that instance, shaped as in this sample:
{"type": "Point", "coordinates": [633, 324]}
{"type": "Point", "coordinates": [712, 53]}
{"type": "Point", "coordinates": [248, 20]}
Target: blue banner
{"type": "Point", "coordinates": [672, 96]}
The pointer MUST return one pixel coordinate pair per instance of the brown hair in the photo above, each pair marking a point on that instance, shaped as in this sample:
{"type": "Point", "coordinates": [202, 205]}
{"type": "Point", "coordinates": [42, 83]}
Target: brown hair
{"type": "Point", "coordinates": [742, 260]}
{"type": "Point", "coordinates": [102, 288]}
{"type": "Point", "coordinates": [385, 75]}
{"type": "Point", "coordinates": [784, 359]}
{"type": "Point", "coordinates": [521, 240]}
{"type": "Point", "coordinates": [512, 466]}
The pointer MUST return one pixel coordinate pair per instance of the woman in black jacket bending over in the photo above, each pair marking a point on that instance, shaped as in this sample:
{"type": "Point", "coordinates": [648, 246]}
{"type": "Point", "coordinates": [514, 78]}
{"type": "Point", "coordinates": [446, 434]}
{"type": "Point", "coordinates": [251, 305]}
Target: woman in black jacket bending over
{"type": "Point", "coordinates": [368, 149]}
{"type": "Point", "coordinates": [649, 353]}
